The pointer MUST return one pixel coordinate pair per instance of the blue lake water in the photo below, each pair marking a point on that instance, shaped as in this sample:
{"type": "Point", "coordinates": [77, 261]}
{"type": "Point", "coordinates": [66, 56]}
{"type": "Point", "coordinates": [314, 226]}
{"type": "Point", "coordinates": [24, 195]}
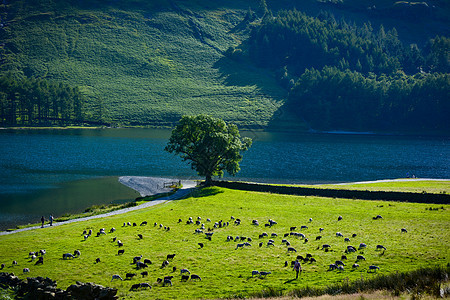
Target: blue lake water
{"type": "Point", "coordinates": [57, 171]}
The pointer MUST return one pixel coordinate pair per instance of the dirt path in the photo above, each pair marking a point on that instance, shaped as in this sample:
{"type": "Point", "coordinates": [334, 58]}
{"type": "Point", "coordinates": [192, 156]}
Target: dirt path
{"type": "Point", "coordinates": [137, 183]}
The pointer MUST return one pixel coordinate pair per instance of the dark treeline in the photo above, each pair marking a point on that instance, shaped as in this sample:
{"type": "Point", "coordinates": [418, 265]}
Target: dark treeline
{"type": "Point", "coordinates": [33, 102]}
{"type": "Point", "coordinates": [349, 77]}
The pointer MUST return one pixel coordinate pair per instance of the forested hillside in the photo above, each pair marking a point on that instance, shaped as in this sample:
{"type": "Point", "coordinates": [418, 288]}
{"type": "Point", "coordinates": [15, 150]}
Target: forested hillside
{"type": "Point", "coordinates": [322, 65]}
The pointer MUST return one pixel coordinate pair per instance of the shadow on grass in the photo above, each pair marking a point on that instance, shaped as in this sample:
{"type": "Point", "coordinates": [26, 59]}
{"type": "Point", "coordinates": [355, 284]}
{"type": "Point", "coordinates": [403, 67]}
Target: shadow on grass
{"type": "Point", "coordinates": [206, 192]}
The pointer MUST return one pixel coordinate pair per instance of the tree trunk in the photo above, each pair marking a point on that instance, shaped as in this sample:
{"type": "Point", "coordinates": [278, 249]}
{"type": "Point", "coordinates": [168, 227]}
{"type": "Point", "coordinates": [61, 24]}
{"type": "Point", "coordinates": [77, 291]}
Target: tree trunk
{"type": "Point", "coordinates": [208, 180]}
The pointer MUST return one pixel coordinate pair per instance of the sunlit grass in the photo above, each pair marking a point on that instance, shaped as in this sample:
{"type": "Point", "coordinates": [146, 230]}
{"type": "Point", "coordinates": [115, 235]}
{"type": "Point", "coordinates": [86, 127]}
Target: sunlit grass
{"type": "Point", "coordinates": [226, 271]}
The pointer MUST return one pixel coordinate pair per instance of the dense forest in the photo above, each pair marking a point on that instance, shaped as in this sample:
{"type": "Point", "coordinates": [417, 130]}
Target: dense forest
{"type": "Point", "coordinates": [349, 77]}
{"type": "Point", "coordinates": [31, 101]}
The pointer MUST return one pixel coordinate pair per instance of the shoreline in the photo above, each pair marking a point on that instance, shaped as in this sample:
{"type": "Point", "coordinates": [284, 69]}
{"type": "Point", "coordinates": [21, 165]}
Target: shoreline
{"type": "Point", "coordinates": [148, 186]}
{"type": "Point", "coordinates": [188, 186]}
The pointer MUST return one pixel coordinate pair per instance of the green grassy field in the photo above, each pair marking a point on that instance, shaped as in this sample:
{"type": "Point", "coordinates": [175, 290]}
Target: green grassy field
{"type": "Point", "coordinates": [399, 185]}
{"type": "Point", "coordinates": [225, 270]}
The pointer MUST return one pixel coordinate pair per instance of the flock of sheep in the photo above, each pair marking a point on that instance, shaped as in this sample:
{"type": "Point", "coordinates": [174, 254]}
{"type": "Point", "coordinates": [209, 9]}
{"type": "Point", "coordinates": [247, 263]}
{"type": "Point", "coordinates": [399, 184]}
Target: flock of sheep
{"type": "Point", "coordinates": [241, 242]}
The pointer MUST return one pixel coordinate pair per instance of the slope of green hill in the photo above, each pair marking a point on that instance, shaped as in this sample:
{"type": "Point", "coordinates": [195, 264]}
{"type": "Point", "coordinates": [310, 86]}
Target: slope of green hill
{"type": "Point", "coordinates": [144, 64]}
{"type": "Point", "coordinates": [148, 62]}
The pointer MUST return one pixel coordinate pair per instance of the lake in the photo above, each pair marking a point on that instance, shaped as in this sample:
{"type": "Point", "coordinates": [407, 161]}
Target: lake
{"type": "Point", "coordinates": [57, 171]}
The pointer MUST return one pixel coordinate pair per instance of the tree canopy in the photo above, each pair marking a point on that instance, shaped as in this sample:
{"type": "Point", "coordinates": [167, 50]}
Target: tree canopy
{"type": "Point", "coordinates": [209, 144]}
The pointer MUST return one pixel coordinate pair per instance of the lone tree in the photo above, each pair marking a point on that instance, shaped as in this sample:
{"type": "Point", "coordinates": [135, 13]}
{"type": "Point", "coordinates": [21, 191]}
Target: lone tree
{"type": "Point", "coordinates": [209, 144]}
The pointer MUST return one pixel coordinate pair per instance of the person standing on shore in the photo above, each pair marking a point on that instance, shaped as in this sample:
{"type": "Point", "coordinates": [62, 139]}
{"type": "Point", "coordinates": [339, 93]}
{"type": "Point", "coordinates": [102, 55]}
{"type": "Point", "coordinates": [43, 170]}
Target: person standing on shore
{"type": "Point", "coordinates": [297, 268]}
{"type": "Point", "coordinates": [42, 221]}
{"type": "Point", "coordinates": [51, 220]}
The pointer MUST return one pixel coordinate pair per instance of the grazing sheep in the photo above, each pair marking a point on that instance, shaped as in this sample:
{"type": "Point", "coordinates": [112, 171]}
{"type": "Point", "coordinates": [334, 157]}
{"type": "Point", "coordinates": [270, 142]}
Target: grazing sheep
{"type": "Point", "coordinates": [122, 251]}
{"type": "Point", "coordinates": [343, 257]}
{"type": "Point", "coordinates": [97, 260]}
{"type": "Point", "coordinates": [76, 253]}
{"type": "Point", "coordinates": [360, 257]}
{"type": "Point", "coordinates": [339, 218]}
{"type": "Point", "coordinates": [354, 266]}
{"type": "Point", "coordinates": [267, 225]}
{"type": "Point", "coordinates": [145, 273]}
{"type": "Point", "coordinates": [134, 224]}
{"type": "Point", "coordinates": [318, 237]}
{"type": "Point", "coordinates": [26, 270]}
{"type": "Point", "coordinates": [404, 230]}
{"type": "Point", "coordinates": [264, 273]}
{"type": "Point", "coordinates": [167, 280]}
{"type": "Point", "coordinates": [377, 217]}
{"type": "Point", "coordinates": [114, 239]}
{"type": "Point", "coordinates": [144, 223]}
{"type": "Point", "coordinates": [255, 222]}
{"type": "Point", "coordinates": [159, 280]}
{"type": "Point", "coordinates": [164, 263]}
{"type": "Point", "coordinates": [14, 263]}
{"type": "Point", "coordinates": [283, 241]}
{"type": "Point", "coordinates": [350, 249]}
{"type": "Point", "coordinates": [379, 247]}
{"type": "Point", "coordinates": [325, 246]}
{"type": "Point", "coordinates": [195, 277]}
{"type": "Point", "coordinates": [249, 239]}
{"type": "Point", "coordinates": [243, 238]}
{"type": "Point", "coordinates": [264, 234]}
{"type": "Point", "coordinates": [362, 245]}
{"type": "Point", "coordinates": [147, 261]}
{"type": "Point", "coordinates": [67, 255]}
{"type": "Point", "coordinates": [184, 271]}
{"type": "Point", "coordinates": [141, 265]}
{"type": "Point", "coordinates": [170, 256]}
{"type": "Point", "coordinates": [255, 272]}
{"type": "Point", "coordinates": [31, 254]}
{"type": "Point", "coordinates": [239, 246]}
{"type": "Point", "coordinates": [274, 235]}
{"type": "Point", "coordinates": [119, 243]}
{"type": "Point", "coordinates": [293, 228]}
{"type": "Point", "coordinates": [135, 286]}
{"type": "Point", "coordinates": [90, 232]}
{"type": "Point", "coordinates": [310, 219]}
{"type": "Point", "coordinates": [321, 229]}
{"type": "Point", "coordinates": [86, 237]}
{"type": "Point", "coordinates": [286, 263]}
{"type": "Point", "coordinates": [130, 275]}
{"type": "Point", "coordinates": [291, 249]}
{"type": "Point", "coordinates": [260, 244]}
{"type": "Point", "coordinates": [341, 268]}
{"type": "Point", "coordinates": [303, 227]}
{"type": "Point", "coordinates": [140, 236]}
{"type": "Point", "coordinates": [42, 252]}
{"type": "Point", "coordinates": [332, 267]}
{"type": "Point", "coordinates": [312, 259]}
{"type": "Point", "coordinates": [338, 234]}
{"type": "Point", "coordinates": [84, 232]}
{"type": "Point", "coordinates": [137, 258]}
{"type": "Point", "coordinates": [2, 267]}
{"type": "Point", "coordinates": [201, 245]}
{"type": "Point", "coordinates": [179, 220]}
{"type": "Point", "coordinates": [145, 285]}
{"type": "Point", "coordinates": [174, 269]}
{"type": "Point", "coordinates": [209, 234]}
{"type": "Point", "coordinates": [339, 263]}
{"type": "Point", "coordinates": [112, 230]}
{"type": "Point", "coordinates": [346, 240]}
{"type": "Point", "coordinates": [115, 276]}
{"type": "Point", "coordinates": [373, 268]}
{"type": "Point", "coordinates": [185, 277]}
{"type": "Point", "coordinates": [272, 222]}
{"type": "Point", "coordinates": [354, 235]}
{"type": "Point", "coordinates": [33, 257]}
{"type": "Point", "coordinates": [306, 240]}
{"type": "Point", "coordinates": [270, 244]}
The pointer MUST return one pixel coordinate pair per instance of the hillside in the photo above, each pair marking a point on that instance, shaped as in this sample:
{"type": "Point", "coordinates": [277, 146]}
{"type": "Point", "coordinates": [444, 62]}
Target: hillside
{"type": "Point", "coordinates": [148, 63]}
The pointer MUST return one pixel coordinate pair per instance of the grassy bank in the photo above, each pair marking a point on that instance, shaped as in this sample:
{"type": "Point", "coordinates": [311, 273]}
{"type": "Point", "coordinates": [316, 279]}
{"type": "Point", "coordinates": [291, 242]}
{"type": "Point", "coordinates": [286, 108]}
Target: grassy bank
{"type": "Point", "coordinates": [226, 272]}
